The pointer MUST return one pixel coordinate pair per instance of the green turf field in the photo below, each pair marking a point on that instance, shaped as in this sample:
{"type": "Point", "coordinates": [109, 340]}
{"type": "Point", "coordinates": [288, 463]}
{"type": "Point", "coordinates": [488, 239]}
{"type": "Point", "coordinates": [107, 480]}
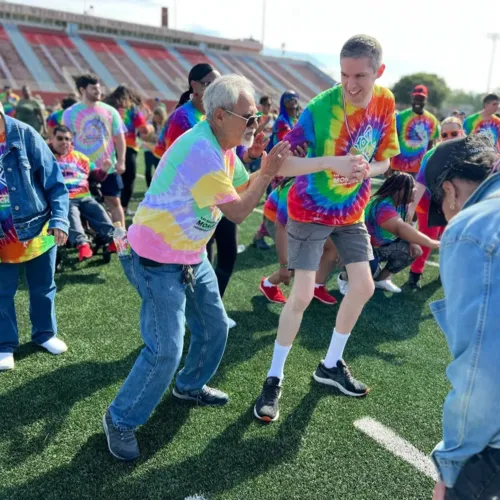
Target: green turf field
{"type": "Point", "coordinates": [51, 441]}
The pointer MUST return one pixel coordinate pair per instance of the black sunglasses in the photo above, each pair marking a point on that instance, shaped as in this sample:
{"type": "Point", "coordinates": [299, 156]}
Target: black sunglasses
{"type": "Point", "coordinates": [251, 120]}
{"type": "Point", "coordinates": [59, 138]}
{"type": "Point", "coordinates": [445, 135]}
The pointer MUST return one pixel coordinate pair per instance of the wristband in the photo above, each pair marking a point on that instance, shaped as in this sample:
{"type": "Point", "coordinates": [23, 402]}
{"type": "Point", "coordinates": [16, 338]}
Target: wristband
{"type": "Point", "coordinates": [283, 266]}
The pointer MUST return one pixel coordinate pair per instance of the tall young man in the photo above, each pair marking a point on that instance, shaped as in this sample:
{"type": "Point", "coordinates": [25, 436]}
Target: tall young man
{"type": "Point", "coordinates": [486, 122]}
{"type": "Point", "coordinates": [417, 131]}
{"type": "Point", "coordinates": [353, 118]}
{"type": "Point", "coordinates": [99, 133]}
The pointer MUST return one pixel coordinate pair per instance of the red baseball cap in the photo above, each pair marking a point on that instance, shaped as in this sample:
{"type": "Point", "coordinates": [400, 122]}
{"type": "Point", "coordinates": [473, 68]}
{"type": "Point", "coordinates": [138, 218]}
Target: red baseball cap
{"type": "Point", "coordinates": [420, 90]}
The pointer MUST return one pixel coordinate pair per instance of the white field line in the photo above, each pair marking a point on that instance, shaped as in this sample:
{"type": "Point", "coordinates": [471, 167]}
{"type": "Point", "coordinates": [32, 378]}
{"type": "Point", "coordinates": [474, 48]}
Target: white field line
{"type": "Point", "coordinates": [433, 264]}
{"type": "Point", "coordinates": [140, 176]}
{"type": "Point", "coordinates": [259, 211]}
{"type": "Point", "coordinates": [195, 497]}
{"type": "Point", "coordinates": [389, 440]}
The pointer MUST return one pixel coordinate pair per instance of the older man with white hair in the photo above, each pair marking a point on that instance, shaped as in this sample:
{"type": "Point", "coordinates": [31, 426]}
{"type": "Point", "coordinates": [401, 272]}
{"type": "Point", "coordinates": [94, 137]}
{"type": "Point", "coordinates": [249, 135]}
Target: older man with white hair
{"type": "Point", "coordinates": [198, 179]}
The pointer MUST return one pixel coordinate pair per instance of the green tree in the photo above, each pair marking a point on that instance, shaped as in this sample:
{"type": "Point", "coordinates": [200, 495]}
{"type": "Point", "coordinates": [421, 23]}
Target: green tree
{"type": "Point", "coordinates": [438, 90]}
{"type": "Point", "coordinates": [461, 99]}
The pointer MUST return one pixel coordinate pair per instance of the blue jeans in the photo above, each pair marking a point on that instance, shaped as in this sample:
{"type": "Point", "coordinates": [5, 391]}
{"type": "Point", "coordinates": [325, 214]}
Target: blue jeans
{"type": "Point", "coordinates": [42, 292]}
{"type": "Point", "coordinates": [96, 216]}
{"type": "Point", "coordinates": [166, 302]}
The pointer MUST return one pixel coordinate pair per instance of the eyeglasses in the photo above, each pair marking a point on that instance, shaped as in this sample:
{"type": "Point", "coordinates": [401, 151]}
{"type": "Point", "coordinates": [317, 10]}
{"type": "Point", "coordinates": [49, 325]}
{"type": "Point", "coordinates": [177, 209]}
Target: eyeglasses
{"type": "Point", "coordinates": [251, 120]}
{"type": "Point", "coordinates": [206, 84]}
{"type": "Point", "coordinates": [60, 139]}
{"type": "Point", "coordinates": [445, 135]}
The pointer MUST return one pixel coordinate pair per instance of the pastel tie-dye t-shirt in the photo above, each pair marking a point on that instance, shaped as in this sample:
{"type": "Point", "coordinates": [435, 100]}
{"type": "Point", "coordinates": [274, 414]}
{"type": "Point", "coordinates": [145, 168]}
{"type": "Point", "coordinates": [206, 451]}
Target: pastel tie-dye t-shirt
{"type": "Point", "coordinates": [476, 124]}
{"type": "Point", "coordinates": [378, 212]}
{"type": "Point", "coordinates": [179, 212]}
{"type": "Point", "coordinates": [94, 129]}
{"type": "Point", "coordinates": [13, 251]}
{"type": "Point", "coordinates": [414, 132]}
{"type": "Point", "coordinates": [76, 168]}
{"type": "Point", "coordinates": [327, 198]}
{"type": "Point", "coordinates": [55, 119]}
{"type": "Point", "coordinates": [133, 120]}
{"type": "Point", "coordinates": [180, 121]}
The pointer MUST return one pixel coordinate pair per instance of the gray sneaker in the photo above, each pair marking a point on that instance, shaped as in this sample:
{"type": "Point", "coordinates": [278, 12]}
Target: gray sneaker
{"type": "Point", "coordinates": [122, 443]}
{"type": "Point", "coordinates": [206, 396]}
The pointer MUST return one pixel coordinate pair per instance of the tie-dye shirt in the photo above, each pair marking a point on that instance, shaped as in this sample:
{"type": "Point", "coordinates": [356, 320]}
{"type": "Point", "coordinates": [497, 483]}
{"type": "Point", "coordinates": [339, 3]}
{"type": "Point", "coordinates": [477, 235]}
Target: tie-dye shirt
{"type": "Point", "coordinates": [276, 205]}
{"type": "Point", "coordinates": [179, 212]}
{"type": "Point", "coordinates": [476, 124]}
{"type": "Point", "coordinates": [134, 121]}
{"type": "Point", "coordinates": [55, 119]}
{"type": "Point", "coordinates": [414, 132]}
{"type": "Point", "coordinates": [76, 168]}
{"type": "Point", "coordinates": [327, 198]}
{"type": "Point", "coordinates": [9, 103]}
{"type": "Point", "coordinates": [424, 203]}
{"type": "Point", "coordinates": [94, 128]}
{"type": "Point", "coordinates": [180, 121]}
{"type": "Point", "coordinates": [282, 126]}
{"type": "Point", "coordinates": [378, 212]}
{"type": "Point", "coordinates": [12, 251]}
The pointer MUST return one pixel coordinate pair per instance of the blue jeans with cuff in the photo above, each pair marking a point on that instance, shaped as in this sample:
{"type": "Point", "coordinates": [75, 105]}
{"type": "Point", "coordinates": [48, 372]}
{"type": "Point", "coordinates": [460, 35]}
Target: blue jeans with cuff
{"type": "Point", "coordinates": [166, 303]}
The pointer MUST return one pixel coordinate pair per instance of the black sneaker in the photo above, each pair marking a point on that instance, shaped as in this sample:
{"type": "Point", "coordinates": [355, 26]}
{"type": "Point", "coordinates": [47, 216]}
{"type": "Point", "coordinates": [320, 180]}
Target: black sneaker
{"type": "Point", "coordinates": [122, 444]}
{"type": "Point", "coordinates": [341, 378]}
{"type": "Point", "coordinates": [414, 281]}
{"type": "Point", "coordinates": [266, 407]}
{"type": "Point", "coordinates": [261, 244]}
{"type": "Point", "coordinates": [204, 397]}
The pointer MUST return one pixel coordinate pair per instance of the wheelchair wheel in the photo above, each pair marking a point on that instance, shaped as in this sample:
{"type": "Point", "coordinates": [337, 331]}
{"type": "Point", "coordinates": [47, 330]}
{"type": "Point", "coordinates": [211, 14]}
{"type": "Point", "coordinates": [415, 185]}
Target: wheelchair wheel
{"type": "Point", "coordinates": [106, 255]}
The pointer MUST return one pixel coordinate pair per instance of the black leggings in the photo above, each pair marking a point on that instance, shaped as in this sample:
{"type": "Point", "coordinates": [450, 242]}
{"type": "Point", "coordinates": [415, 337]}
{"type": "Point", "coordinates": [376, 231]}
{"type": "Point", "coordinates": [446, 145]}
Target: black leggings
{"type": "Point", "coordinates": [151, 162]}
{"type": "Point", "coordinates": [128, 177]}
{"type": "Point", "coordinates": [226, 237]}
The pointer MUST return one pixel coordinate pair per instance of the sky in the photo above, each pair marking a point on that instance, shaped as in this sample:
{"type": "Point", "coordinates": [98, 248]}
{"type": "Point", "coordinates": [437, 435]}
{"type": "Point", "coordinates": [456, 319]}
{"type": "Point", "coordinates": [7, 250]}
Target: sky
{"type": "Point", "coordinates": [446, 37]}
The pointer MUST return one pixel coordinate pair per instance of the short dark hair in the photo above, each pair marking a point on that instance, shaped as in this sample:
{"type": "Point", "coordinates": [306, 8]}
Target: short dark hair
{"type": "Point", "coordinates": [61, 128]}
{"type": "Point", "coordinates": [67, 102]}
{"type": "Point", "coordinates": [83, 81]}
{"type": "Point", "coordinates": [490, 98]}
{"type": "Point", "coordinates": [265, 100]}
{"type": "Point", "coordinates": [7, 87]}
{"type": "Point", "coordinates": [363, 46]}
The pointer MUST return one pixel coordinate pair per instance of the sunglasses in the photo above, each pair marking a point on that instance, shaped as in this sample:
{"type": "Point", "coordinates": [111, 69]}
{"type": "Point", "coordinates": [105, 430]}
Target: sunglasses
{"type": "Point", "coordinates": [251, 120]}
{"type": "Point", "coordinates": [60, 139]}
{"type": "Point", "coordinates": [206, 84]}
{"type": "Point", "coordinates": [445, 135]}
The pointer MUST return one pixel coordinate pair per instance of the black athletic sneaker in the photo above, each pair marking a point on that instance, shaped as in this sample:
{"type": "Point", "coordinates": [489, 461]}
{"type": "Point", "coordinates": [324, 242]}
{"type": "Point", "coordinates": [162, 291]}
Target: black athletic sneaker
{"type": "Point", "coordinates": [261, 243]}
{"type": "Point", "coordinates": [266, 407]}
{"type": "Point", "coordinates": [207, 396]}
{"type": "Point", "coordinates": [341, 378]}
{"type": "Point", "coordinates": [415, 280]}
{"type": "Point", "coordinates": [122, 443]}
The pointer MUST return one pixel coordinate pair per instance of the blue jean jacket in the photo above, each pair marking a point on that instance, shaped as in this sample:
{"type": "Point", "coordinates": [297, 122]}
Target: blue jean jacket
{"type": "Point", "coordinates": [470, 319]}
{"type": "Point", "coordinates": [37, 192]}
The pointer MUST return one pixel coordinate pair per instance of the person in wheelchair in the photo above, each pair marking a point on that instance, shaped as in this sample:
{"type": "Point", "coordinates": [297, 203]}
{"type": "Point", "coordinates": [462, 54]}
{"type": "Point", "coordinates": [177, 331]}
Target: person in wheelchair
{"type": "Point", "coordinates": [78, 171]}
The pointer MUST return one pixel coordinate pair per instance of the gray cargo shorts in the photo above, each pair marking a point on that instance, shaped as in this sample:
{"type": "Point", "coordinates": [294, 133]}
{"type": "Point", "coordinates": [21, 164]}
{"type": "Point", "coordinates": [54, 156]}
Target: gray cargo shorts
{"type": "Point", "coordinates": [306, 241]}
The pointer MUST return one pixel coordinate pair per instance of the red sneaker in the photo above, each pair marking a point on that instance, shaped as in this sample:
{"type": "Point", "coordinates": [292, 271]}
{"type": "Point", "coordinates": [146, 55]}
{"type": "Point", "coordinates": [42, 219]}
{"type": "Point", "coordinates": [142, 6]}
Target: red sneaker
{"type": "Point", "coordinates": [322, 295]}
{"type": "Point", "coordinates": [112, 247]}
{"type": "Point", "coordinates": [84, 252]}
{"type": "Point", "coordinates": [272, 293]}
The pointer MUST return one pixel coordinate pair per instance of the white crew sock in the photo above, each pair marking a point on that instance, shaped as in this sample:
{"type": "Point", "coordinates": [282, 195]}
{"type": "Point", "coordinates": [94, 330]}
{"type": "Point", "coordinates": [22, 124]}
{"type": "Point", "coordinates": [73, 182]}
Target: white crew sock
{"type": "Point", "coordinates": [278, 363]}
{"type": "Point", "coordinates": [319, 285]}
{"type": "Point", "coordinates": [336, 349]}
{"type": "Point", "coordinates": [267, 283]}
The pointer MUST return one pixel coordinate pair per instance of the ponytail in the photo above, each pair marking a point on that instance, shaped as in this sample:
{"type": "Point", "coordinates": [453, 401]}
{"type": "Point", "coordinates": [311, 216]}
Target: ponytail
{"type": "Point", "coordinates": [198, 71]}
{"type": "Point", "coordinates": [184, 98]}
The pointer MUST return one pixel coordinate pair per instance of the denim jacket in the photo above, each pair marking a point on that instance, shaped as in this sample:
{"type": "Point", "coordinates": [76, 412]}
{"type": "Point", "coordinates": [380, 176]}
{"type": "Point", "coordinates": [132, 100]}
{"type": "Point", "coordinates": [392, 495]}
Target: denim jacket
{"type": "Point", "coordinates": [470, 319]}
{"type": "Point", "coordinates": [37, 192]}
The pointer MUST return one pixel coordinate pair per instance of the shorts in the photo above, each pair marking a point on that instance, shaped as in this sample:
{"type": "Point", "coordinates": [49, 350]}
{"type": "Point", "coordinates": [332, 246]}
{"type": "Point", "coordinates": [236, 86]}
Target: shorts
{"type": "Point", "coordinates": [271, 228]}
{"type": "Point", "coordinates": [307, 240]}
{"type": "Point", "coordinates": [112, 186]}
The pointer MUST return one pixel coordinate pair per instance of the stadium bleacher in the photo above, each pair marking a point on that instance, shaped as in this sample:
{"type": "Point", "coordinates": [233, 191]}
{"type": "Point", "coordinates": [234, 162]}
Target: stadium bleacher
{"type": "Point", "coordinates": [45, 49]}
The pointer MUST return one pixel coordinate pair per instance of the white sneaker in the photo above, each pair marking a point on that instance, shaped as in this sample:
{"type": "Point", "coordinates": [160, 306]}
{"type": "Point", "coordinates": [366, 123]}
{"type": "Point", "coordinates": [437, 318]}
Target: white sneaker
{"type": "Point", "coordinates": [6, 361]}
{"type": "Point", "coordinates": [241, 248]}
{"type": "Point", "coordinates": [129, 212]}
{"type": "Point", "coordinates": [231, 323]}
{"type": "Point", "coordinates": [343, 285]}
{"type": "Point", "coordinates": [388, 286]}
{"type": "Point", "coordinates": [55, 346]}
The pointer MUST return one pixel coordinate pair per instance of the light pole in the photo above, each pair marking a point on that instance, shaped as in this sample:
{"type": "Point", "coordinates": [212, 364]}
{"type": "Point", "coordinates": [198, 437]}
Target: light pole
{"type": "Point", "coordinates": [494, 37]}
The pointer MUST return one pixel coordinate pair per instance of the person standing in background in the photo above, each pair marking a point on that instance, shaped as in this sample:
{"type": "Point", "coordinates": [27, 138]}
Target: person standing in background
{"type": "Point", "coordinates": [9, 101]}
{"type": "Point", "coordinates": [158, 120]}
{"type": "Point", "coordinates": [55, 118]}
{"type": "Point", "coordinates": [30, 111]}
{"type": "Point", "coordinates": [486, 122]}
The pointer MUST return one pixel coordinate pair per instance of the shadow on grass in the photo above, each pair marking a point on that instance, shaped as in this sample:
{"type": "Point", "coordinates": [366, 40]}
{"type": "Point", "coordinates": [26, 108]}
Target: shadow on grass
{"type": "Point", "coordinates": [229, 460]}
{"type": "Point", "coordinates": [70, 278]}
{"type": "Point", "coordinates": [46, 401]}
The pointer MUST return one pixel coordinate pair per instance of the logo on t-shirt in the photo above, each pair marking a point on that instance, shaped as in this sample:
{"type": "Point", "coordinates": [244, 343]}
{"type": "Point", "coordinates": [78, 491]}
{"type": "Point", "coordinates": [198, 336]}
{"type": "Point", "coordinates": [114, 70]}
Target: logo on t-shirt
{"type": "Point", "coordinates": [419, 134]}
{"type": "Point", "coordinates": [94, 131]}
{"type": "Point", "coordinates": [366, 144]}
{"type": "Point", "coordinates": [204, 224]}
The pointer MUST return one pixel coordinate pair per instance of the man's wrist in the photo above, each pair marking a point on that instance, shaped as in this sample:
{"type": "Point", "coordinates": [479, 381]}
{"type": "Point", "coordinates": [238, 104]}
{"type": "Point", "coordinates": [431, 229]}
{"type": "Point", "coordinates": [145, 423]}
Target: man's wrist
{"type": "Point", "coordinates": [283, 266]}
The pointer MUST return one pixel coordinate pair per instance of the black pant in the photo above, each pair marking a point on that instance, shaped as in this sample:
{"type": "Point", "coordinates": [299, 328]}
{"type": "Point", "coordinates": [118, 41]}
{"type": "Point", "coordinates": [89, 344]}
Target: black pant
{"type": "Point", "coordinates": [226, 237]}
{"type": "Point", "coordinates": [479, 478]}
{"type": "Point", "coordinates": [128, 177]}
{"type": "Point", "coordinates": [151, 162]}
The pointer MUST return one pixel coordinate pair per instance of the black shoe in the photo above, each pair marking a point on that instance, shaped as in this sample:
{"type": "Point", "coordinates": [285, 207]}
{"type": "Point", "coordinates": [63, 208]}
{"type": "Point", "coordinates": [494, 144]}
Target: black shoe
{"type": "Point", "coordinates": [261, 244]}
{"type": "Point", "coordinates": [341, 378]}
{"type": "Point", "coordinates": [204, 397]}
{"type": "Point", "coordinates": [122, 444]}
{"type": "Point", "coordinates": [415, 280]}
{"type": "Point", "coordinates": [266, 407]}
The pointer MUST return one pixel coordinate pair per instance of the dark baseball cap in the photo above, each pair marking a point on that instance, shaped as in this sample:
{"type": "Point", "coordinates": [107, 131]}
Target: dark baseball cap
{"type": "Point", "coordinates": [446, 162]}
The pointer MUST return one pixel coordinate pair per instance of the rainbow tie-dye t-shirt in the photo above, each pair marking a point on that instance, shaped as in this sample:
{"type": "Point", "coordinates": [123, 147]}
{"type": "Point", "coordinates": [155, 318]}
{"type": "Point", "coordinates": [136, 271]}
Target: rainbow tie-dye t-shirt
{"type": "Point", "coordinates": [476, 124]}
{"type": "Point", "coordinates": [282, 126]}
{"type": "Point", "coordinates": [9, 103]}
{"type": "Point", "coordinates": [179, 212]}
{"type": "Point", "coordinates": [276, 205]}
{"type": "Point", "coordinates": [55, 119]}
{"type": "Point", "coordinates": [76, 168]}
{"type": "Point", "coordinates": [94, 129]}
{"type": "Point", "coordinates": [414, 132]}
{"type": "Point", "coordinates": [180, 121]}
{"type": "Point", "coordinates": [327, 198]}
{"type": "Point", "coordinates": [13, 251]}
{"type": "Point", "coordinates": [376, 213]}
{"type": "Point", "coordinates": [134, 120]}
